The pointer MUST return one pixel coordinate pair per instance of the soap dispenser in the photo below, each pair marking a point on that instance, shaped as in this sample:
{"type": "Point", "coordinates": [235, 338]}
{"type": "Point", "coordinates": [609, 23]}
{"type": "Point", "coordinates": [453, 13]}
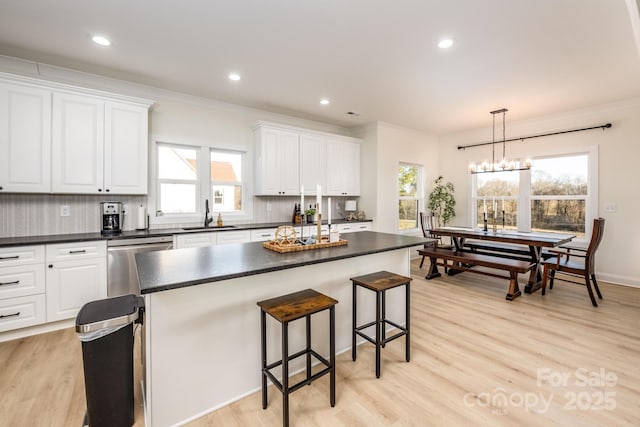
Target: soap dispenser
{"type": "Point", "coordinates": [219, 221]}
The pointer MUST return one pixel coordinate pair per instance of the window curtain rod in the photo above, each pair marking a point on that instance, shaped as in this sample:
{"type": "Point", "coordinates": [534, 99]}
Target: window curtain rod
{"type": "Point", "coordinates": [522, 138]}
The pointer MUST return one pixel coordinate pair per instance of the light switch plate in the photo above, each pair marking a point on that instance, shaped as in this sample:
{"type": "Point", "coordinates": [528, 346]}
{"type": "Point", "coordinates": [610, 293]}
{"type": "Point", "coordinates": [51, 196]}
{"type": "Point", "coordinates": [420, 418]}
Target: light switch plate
{"type": "Point", "coordinates": [65, 210]}
{"type": "Point", "coordinates": [610, 207]}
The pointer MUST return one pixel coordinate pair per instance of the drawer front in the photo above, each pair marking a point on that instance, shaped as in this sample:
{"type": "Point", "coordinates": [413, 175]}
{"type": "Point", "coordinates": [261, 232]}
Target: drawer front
{"type": "Point", "coordinates": [72, 251]}
{"type": "Point", "coordinates": [21, 312]}
{"type": "Point", "coordinates": [362, 226]}
{"type": "Point", "coordinates": [263, 235]}
{"type": "Point", "coordinates": [21, 255]}
{"type": "Point", "coordinates": [195, 240]}
{"type": "Point", "coordinates": [225, 237]}
{"type": "Point", "coordinates": [21, 281]}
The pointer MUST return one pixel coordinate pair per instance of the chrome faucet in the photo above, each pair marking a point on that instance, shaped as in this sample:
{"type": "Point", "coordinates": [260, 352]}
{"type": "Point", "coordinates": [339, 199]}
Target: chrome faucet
{"type": "Point", "coordinates": [208, 218]}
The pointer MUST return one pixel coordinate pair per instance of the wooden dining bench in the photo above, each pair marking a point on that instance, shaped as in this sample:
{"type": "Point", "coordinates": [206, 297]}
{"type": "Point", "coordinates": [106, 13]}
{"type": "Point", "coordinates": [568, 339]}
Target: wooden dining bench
{"type": "Point", "coordinates": [464, 261]}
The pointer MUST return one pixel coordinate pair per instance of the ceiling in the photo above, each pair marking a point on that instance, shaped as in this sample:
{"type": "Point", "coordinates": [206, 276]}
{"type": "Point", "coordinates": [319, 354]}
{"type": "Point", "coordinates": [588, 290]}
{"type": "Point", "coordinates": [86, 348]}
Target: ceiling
{"type": "Point", "coordinates": [378, 58]}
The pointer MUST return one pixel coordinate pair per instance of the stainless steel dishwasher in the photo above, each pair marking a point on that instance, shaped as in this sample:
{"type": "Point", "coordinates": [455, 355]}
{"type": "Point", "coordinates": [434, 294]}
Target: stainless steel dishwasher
{"type": "Point", "coordinates": [122, 276]}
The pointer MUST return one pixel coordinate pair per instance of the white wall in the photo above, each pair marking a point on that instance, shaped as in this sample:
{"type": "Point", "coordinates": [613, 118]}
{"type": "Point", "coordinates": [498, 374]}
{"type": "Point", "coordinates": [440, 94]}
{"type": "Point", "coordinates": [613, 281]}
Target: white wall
{"type": "Point", "coordinates": [619, 173]}
{"type": "Point", "coordinates": [384, 147]}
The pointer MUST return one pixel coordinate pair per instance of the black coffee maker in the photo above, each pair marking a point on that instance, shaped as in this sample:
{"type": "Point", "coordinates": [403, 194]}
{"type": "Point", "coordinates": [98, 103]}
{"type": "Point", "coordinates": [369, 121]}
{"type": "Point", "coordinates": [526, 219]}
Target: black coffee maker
{"type": "Point", "coordinates": [112, 216]}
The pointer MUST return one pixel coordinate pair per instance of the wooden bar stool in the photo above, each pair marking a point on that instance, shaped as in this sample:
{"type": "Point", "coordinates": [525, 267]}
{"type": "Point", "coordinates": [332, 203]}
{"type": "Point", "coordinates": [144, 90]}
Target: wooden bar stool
{"type": "Point", "coordinates": [285, 309]}
{"type": "Point", "coordinates": [379, 283]}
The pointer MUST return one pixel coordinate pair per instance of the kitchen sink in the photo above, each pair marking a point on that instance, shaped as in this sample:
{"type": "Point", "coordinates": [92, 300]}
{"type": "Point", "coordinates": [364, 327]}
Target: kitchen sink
{"type": "Point", "coordinates": [223, 227]}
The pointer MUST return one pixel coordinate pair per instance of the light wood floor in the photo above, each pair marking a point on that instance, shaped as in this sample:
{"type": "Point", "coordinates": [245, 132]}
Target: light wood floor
{"type": "Point", "coordinates": [476, 360]}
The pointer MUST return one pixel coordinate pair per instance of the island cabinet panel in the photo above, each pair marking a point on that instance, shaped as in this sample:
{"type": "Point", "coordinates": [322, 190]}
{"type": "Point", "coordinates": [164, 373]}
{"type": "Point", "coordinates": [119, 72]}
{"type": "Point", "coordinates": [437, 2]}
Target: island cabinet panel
{"type": "Point", "coordinates": [203, 342]}
{"type": "Point", "coordinates": [277, 161]}
{"type": "Point", "coordinates": [25, 139]}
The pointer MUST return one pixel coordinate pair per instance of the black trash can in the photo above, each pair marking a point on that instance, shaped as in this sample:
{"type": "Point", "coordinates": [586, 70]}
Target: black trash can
{"type": "Point", "coordinates": [105, 328]}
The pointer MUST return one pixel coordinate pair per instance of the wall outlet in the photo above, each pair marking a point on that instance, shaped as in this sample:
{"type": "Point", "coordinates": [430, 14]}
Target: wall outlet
{"type": "Point", "coordinates": [65, 210]}
{"type": "Point", "coordinates": [610, 208]}
{"type": "Point", "coordinates": [268, 207]}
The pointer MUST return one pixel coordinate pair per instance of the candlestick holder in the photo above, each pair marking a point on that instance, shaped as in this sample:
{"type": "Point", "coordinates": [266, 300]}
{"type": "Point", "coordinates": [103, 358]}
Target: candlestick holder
{"type": "Point", "coordinates": [495, 224]}
{"type": "Point", "coordinates": [503, 220]}
{"type": "Point", "coordinates": [484, 220]}
{"type": "Point", "coordinates": [319, 233]}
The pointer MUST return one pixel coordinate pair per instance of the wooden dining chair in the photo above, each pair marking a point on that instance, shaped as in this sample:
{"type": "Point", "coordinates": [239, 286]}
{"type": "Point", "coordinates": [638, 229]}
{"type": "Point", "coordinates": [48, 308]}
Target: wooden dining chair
{"type": "Point", "coordinates": [581, 264]}
{"type": "Point", "coordinates": [427, 223]}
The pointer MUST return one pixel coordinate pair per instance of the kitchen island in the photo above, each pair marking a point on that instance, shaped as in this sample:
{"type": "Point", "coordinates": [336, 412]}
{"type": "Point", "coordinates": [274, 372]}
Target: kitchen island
{"type": "Point", "coordinates": [202, 327]}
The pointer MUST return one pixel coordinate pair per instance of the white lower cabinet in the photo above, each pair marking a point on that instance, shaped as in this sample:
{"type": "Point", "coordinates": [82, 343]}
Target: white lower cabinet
{"type": "Point", "coordinates": [210, 238]}
{"type": "Point", "coordinates": [263, 234]}
{"type": "Point", "coordinates": [354, 227]}
{"type": "Point", "coordinates": [22, 312]}
{"type": "Point", "coordinates": [22, 287]}
{"type": "Point", "coordinates": [76, 274]}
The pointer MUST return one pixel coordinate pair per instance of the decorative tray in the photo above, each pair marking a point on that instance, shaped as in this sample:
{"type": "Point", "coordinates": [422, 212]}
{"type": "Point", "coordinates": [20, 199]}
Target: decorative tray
{"type": "Point", "coordinates": [297, 247]}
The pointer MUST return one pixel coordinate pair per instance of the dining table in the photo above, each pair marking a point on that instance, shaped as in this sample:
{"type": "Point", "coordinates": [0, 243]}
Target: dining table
{"type": "Point", "coordinates": [505, 244]}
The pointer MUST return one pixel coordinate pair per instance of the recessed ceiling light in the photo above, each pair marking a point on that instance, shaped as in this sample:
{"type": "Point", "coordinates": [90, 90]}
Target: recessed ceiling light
{"type": "Point", "coordinates": [324, 101]}
{"type": "Point", "coordinates": [445, 43]}
{"type": "Point", "coordinates": [235, 77]}
{"type": "Point", "coordinates": [102, 41]}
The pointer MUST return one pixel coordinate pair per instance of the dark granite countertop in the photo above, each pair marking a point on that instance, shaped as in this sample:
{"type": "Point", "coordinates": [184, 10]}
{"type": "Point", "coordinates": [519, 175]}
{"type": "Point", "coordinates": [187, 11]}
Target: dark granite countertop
{"type": "Point", "coordinates": [178, 268]}
{"type": "Point", "coordinates": [133, 234]}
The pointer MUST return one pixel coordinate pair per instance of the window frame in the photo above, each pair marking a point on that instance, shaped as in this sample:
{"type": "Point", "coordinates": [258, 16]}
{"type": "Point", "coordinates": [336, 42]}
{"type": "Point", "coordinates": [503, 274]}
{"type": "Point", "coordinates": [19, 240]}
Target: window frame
{"type": "Point", "coordinates": [525, 197]}
{"type": "Point", "coordinates": [419, 197]}
{"type": "Point", "coordinates": [204, 184]}
{"type": "Point", "coordinates": [160, 181]}
{"type": "Point", "coordinates": [227, 183]}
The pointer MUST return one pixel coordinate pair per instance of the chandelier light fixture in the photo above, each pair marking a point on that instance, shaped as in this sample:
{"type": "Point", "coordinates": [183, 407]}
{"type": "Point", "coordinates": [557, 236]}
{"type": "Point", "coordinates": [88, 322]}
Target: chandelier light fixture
{"type": "Point", "coordinates": [503, 165]}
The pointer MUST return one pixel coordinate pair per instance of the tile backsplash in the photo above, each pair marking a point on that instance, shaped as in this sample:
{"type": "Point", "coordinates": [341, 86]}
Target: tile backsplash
{"type": "Point", "coordinates": [39, 214]}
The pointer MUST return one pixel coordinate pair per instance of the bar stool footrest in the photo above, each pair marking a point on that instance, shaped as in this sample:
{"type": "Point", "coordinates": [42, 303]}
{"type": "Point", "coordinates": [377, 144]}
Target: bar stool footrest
{"type": "Point", "coordinates": [278, 384]}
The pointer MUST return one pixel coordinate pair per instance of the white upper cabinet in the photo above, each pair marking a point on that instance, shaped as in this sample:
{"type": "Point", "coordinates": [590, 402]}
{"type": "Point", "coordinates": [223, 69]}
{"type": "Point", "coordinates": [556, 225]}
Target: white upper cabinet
{"type": "Point", "coordinates": [77, 144]}
{"type": "Point", "coordinates": [98, 146]}
{"type": "Point", "coordinates": [65, 139]}
{"type": "Point", "coordinates": [343, 167]}
{"type": "Point", "coordinates": [277, 162]}
{"type": "Point", "coordinates": [125, 148]}
{"type": "Point", "coordinates": [313, 158]}
{"type": "Point", "coordinates": [25, 139]}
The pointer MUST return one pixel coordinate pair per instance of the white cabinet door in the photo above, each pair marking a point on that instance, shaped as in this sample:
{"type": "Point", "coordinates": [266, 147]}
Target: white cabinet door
{"type": "Point", "coordinates": [195, 240]}
{"type": "Point", "coordinates": [313, 159]}
{"type": "Point", "coordinates": [239, 236]}
{"type": "Point", "coordinates": [25, 139]}
{"type": "Point", "coordinates": [351, 169]}
{"type": "Point", "coordinates": [343, 167]}
{"type": "Point", "coordinates": [277, 160]}
{"type": "Point", "coordinates": [77, 144]}
{"type": "Point", "coordinates": [76, 274]}
{"type": "Point", "coordinates": [71, 284]}
{"type": "Point", "coordinates": [125, 148]}
{"type": "Point", "coordinates": [263, 235]}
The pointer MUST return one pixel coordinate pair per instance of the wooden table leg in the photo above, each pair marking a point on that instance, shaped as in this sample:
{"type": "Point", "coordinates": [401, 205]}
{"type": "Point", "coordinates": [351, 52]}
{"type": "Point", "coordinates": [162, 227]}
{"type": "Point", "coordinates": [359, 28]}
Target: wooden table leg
{"type": "Point", "coordinates": [535, 275]}
{"type": "Point", "coordinates": [433, 269]}
{"type": "Point", "coordinates": [514, 289]}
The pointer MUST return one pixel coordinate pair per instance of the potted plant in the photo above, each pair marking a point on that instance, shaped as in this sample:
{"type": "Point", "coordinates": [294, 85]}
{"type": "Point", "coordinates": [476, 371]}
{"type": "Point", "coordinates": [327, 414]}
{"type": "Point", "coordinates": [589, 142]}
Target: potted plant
{"type": "Point", "coordinates": [442, 202]}
{"type": "Point", "coordinates": [310, 213]}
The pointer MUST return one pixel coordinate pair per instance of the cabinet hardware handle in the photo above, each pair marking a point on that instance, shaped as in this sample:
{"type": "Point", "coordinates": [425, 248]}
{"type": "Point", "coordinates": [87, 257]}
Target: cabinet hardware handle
{"type": "Point", "coordinates": [9, 257]}
{"type": "Point", "coordinates": [107, 190]}
{"type": "Point", "coordinates": [0, 187]}
{"type": "Point", "coordinates": [9, 315]}
{"type": "Point", "coordinates": [99, 189]}
{"type": "Point", "coordinates": [81, 251]}
{"type": "Point", "coordinates": [50, 265]}
{"type": "Point", "coordinates": [10, 283]}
